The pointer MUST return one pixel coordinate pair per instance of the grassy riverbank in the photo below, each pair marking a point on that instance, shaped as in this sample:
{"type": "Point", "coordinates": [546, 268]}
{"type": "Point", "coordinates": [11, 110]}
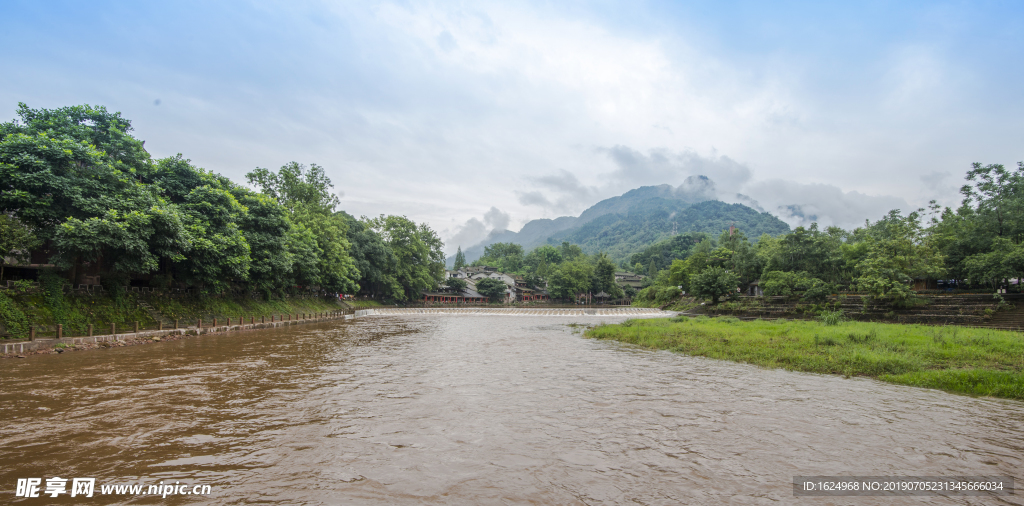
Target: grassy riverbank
{"type": "Point", "coordinates": [956, 359]}
{"type": "Point", "coordinates": [44, 309]}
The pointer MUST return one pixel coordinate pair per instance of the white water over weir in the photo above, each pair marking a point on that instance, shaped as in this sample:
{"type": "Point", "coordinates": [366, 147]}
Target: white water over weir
{"type": "Point", "coordinates": [510, 311]}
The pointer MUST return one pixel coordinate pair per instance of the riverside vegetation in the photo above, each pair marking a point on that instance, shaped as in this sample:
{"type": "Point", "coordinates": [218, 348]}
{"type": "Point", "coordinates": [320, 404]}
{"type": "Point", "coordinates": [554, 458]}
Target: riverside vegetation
{"type": "Point", "coordinates": [963, 360]}
{"type": "Point", "coordinates": [977, 246]}
{"type": "Point", "coordinates": [81, 193]}
{"type": "Point", "coordinates": [50, 304]}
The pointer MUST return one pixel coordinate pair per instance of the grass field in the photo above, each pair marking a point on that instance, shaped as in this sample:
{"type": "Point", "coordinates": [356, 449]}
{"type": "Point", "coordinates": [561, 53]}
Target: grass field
{"type": "Point", "coordinates": [360, 304]}
{"type": "Point", "coordinates": [956, 359]}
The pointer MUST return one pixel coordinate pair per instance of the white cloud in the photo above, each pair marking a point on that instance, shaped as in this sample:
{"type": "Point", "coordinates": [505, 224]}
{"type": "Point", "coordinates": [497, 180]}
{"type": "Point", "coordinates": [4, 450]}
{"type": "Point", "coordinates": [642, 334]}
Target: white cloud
{"type": "Point", "coordinates": [439, 111]}
{"type": "Point", "coordinates": [802, 204]}
{"type": "Point", "coordinates": [475, 230]}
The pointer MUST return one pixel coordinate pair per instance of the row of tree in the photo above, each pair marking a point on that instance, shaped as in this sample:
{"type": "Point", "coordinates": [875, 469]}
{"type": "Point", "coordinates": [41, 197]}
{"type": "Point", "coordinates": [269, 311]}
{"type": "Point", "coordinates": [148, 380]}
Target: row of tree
{"type": "Point", "coordinates": [565, 271]}
{"type": "Point", "coordinates": [980, 244]}
{"type": "Point", "coordinates": [78, 187]}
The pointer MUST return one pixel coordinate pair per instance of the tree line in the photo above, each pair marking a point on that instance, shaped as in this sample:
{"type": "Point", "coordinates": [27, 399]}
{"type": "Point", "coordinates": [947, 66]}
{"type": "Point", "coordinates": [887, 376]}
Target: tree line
{"type": "Point", "coordinates": [977, 246]}
{"type": "Point", "coordinates": [76, 186]}
{"type": "Point", "coordinates": [565, 271]}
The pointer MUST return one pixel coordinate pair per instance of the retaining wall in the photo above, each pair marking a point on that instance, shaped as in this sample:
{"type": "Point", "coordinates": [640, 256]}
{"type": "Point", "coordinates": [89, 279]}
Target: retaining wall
{"type": "Point", "coordinates": [42, 344]}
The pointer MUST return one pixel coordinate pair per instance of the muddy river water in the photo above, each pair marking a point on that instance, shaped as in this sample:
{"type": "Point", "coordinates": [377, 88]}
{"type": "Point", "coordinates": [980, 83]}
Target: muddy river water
{"type": "Point", "coordinates": [435, 409]}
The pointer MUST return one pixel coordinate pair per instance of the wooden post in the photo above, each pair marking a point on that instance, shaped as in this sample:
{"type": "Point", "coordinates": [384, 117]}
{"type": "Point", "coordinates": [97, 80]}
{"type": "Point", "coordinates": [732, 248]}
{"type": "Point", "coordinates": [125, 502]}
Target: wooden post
{"type": "Point", "coordinates": [90, 330]}
{"type": "Point", "coordinates": [31, 332]}
{"type": "Point", "coordinates": [214, 321]}
{"type": "Point", "coordinates": [263, 319]}
{"type": "Point", "coordinates": [160, 325]}
{"type": "Point", "coordinates": [175, 324]}
{"type": "Point", "coordinates": [199, 324]}
{"type": "Point", "coordinates": [113, 329]}
{"type": "Point", "coordinates": [60, 331]}
{"type": "Point", "coordinates": [136, 327]}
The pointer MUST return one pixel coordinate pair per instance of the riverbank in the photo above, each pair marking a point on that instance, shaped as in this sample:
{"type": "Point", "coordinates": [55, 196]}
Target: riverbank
{"type": "Point", "coordinates": [23, 349]}
{"type": "Point", "coordinates": [969, 361]}
{"type": "Point", "coordinates": [42, 309]}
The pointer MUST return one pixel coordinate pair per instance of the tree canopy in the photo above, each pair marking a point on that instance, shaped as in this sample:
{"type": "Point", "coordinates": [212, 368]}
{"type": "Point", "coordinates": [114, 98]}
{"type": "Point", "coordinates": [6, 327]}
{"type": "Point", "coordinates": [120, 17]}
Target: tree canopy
{"type": "Point", "coordinates": [75, 181]}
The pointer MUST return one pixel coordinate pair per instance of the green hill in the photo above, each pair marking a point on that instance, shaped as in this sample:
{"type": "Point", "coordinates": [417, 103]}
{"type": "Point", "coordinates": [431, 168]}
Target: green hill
{"type": "Point", "coordinates": [659, 219]}
{"type": "Point", "coordinates": [627, 224]}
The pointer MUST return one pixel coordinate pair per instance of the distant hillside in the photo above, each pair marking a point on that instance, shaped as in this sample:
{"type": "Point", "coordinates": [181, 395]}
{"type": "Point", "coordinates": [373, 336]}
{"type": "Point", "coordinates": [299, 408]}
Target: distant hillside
{"type": "Point", "coordinates": [623, 225]}
{"type": "Point", "coordinates": [621, 235]}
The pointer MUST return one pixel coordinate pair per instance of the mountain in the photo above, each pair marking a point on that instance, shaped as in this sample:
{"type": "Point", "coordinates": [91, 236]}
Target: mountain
{"type": "Point", "coordinates": [622, 234]}
{"type": "Point", "coordinates": [623, 225]}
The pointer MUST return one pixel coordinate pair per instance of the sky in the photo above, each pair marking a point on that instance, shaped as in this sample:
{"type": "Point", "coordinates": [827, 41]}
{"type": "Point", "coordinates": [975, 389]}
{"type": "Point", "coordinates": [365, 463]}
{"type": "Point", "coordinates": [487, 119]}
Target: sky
{"type": "Point", "coordinates": [476, 116]}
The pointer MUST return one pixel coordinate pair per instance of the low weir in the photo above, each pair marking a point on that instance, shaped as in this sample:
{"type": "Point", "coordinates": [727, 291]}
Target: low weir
{"type": "Point", "coordinates": [510, 311]}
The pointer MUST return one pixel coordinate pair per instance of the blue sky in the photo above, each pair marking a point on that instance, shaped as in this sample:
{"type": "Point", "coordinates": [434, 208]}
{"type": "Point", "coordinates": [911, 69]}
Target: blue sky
{"type": "Point", "coordinates": [475, 115]}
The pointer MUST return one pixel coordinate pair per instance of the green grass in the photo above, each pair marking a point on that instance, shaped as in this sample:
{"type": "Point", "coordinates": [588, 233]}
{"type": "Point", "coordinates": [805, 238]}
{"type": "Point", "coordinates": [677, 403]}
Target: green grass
{"type": "Point", "coordinates": [20, 308]}
{"type": "Point", "coordinates": [363, 303]}
{"type": "Point", "coordinates": [190, 308]}
{"type": "Point", "coordinates": [956, 359]}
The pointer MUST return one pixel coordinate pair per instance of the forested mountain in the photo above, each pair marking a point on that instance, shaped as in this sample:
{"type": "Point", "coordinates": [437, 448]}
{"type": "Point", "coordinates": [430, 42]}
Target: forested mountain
{"type": "Point", "coordinates": [622, 234]}
{"type": "Point", "coordinates": [624, 225]}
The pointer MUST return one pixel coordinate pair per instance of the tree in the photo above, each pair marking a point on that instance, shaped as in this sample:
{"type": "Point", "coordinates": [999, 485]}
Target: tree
{"type": "Point", "coordinates": [506, 256]}
{"type": "Point", "coordinates": [976, 238]}
{"type": "Point", "coordinates": [542, 259]}
{"type": "Point", "coordinates": [456, 285]}
{"type": "Point", "coordinates": [267, 229]}
{"type": "Point", "coordinates": [570, 251]}
{"type": "Point", "coordinates": [418, 252]}
{"type": "Point", "coordinates": [306, 193]}
{"type": "Point", "coordinates": [714, 282]}
{"type": "Point", "coordinates": [374, 260]}
{"type": "Point", "coordinates": [493, 289]}
{"type": "Point", "coordinates": [571, 279]}
{"type": "Point", "coordinates": [74, 172]}
{"type": "Point", "coordinates": [16, 240]}
{"type": "Point", "coordinates": [786, 284]}
{"type": "Point", "coordinates": [219, 251]}
{"type": "Point", "coordinates": [460, 259]}
{"type": "Point", "coordinates": [604, 277]}
{"type": "Point", "coordinates": [297, 187]}
{"type": "Point", "coordinates": [898, 252]}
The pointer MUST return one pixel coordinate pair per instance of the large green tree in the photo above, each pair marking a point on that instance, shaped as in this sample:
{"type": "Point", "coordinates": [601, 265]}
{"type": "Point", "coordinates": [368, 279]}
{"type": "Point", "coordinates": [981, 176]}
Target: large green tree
{"type": "Point", "coordinates": [418, 253]}
{"type": "Point", "coordinates": [318, 239]}
{"type": "Point", "coordinates": [75, 175]}
{"type": "Point", "coordinates": [494, 289]}
{"type": "Point", "coordinates": [571, 279]}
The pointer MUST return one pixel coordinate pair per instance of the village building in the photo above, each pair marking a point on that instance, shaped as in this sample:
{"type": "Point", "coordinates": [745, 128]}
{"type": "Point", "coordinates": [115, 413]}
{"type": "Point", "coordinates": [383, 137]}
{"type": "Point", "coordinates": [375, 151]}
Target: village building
{"type": "Point", "coordinates": [516, 288]}
{"type": "Point", "coordinates": [624, 279]}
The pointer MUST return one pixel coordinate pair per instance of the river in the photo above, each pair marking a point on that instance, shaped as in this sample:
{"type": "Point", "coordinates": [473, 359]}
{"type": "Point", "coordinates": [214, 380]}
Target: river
{"type": "Point", "coordinates": [436, 409]}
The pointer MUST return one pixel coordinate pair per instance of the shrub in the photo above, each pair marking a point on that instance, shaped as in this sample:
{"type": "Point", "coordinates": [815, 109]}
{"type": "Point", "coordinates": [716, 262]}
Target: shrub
{"type": "Point", "coordinates": [789, 284]}
{"type": "Point", "coordinates": [667, 294]}
{"type": "Point", "coordinates": [13, 318]}
{"type": "Point", "coordinates": [831, 317]}
{"type": "Point", "coordinates": [818, 291]}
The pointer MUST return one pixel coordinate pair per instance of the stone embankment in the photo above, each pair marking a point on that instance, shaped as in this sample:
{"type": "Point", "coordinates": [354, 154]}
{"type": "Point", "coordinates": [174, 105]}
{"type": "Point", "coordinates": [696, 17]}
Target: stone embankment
{"type": "Point", "coordinates": [20, 348]}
